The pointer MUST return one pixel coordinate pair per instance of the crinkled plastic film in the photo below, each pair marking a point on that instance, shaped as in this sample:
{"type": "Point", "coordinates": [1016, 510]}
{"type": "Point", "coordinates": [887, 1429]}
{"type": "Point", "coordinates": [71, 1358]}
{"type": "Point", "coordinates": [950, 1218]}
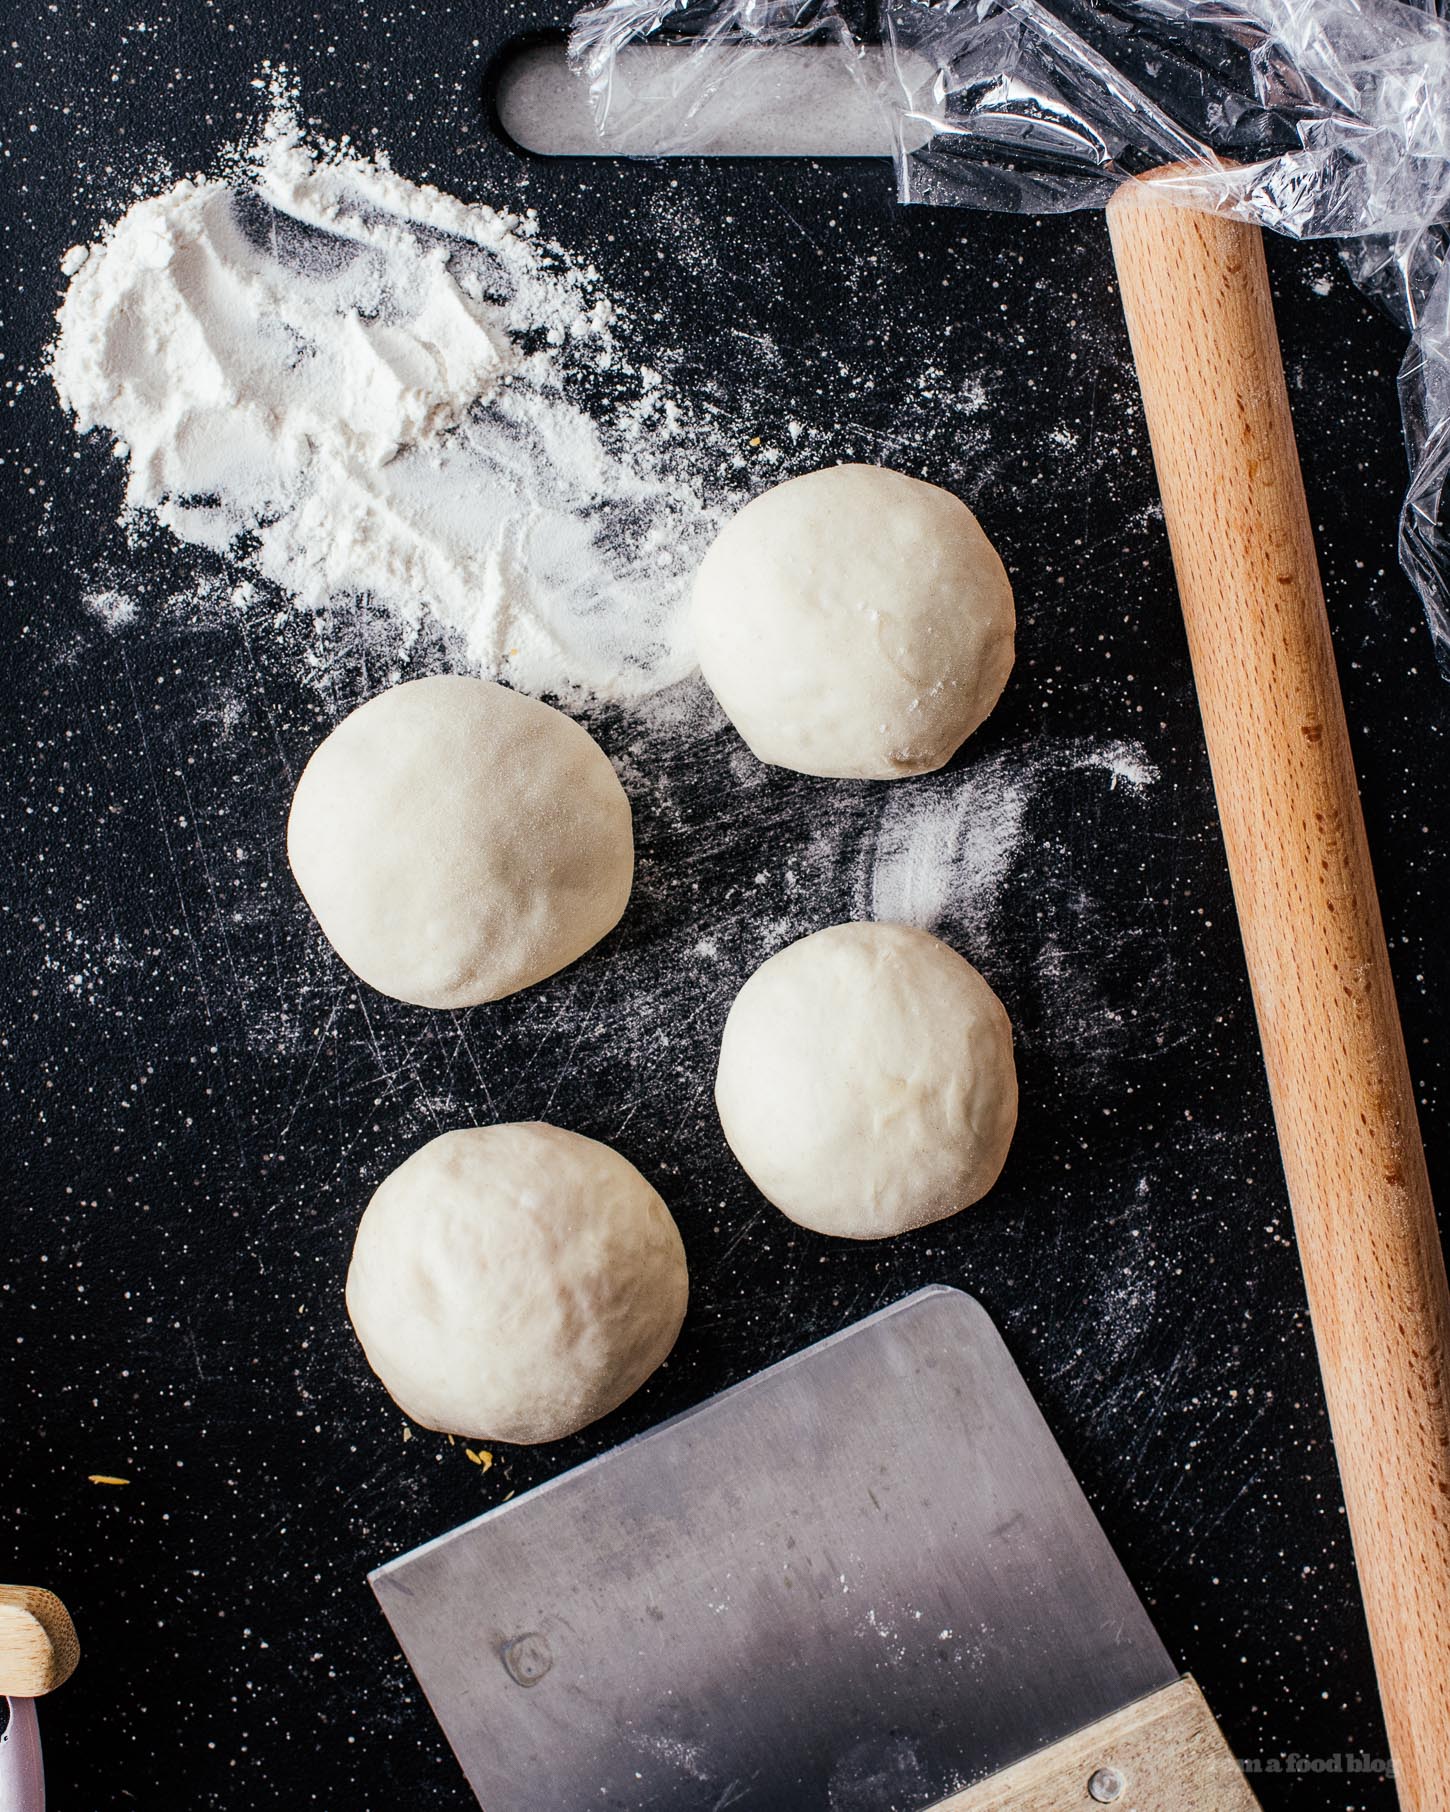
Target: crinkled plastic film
{"type": "Point", "coordinates": [1425, 405]}
{"type": "Point", "coordinates": [1315, 118]}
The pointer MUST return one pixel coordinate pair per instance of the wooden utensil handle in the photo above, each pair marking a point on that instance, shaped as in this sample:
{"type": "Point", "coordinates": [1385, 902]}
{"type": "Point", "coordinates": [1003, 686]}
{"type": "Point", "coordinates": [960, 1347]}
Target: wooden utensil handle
{"type": "Point", "coordinates": [1162, 1754]}
{"type": "Point", "coordinates": [38, 1646]}
{"type": "Point", "coordinates": [1196, 295]}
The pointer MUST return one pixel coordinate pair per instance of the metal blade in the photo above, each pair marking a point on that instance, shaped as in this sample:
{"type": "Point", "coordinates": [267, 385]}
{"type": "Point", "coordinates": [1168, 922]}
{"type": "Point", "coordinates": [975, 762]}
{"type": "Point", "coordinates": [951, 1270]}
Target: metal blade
{"type": "Point", "coordinates": [856, 1582]}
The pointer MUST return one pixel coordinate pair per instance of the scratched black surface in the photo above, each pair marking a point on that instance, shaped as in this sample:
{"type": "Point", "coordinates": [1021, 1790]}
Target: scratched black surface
{"type": "Point", "coordinates": [197, 1103]}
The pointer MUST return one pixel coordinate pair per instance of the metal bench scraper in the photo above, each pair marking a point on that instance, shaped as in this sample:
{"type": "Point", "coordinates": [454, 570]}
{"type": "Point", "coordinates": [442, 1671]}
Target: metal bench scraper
{"type": "Point", "coordinates": [864, 1580]}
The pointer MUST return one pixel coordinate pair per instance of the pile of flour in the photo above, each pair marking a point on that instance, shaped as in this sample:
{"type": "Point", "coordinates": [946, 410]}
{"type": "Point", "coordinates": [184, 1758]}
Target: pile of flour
{"type": "Point", "coordinates": [358, 387]}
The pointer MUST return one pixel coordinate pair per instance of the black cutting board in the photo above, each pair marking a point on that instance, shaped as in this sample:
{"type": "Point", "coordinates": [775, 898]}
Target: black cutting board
{"type": "Point", "coordinates": [199, 1100]}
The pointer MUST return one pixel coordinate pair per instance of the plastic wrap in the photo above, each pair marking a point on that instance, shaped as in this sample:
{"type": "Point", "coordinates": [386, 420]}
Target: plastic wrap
{"type": "Point", "coordinates": [1315, 118]}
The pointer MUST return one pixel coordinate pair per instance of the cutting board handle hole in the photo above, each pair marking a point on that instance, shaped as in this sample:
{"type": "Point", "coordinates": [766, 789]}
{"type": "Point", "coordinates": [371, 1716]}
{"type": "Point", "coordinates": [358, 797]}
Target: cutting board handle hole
{"type": "Point", "coordinates": [800, 102]}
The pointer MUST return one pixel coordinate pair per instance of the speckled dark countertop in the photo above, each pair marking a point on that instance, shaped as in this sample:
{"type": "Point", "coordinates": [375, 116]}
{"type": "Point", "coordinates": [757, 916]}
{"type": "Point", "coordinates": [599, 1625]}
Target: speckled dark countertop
{"type": "Point", "coordinates": [198, 1099]}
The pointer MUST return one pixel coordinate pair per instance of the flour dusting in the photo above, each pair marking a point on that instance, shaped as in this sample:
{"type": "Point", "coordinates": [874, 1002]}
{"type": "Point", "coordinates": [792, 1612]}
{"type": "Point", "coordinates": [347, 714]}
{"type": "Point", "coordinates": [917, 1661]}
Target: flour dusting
{"type": "Point", "coordinates": [112, 608]}
{"type": "Point", "coordinates": [1125, 762]}
{"type": "Point", "coordinates": [948, 853]}
{"type": "Point", "coordinates": [359, 387]}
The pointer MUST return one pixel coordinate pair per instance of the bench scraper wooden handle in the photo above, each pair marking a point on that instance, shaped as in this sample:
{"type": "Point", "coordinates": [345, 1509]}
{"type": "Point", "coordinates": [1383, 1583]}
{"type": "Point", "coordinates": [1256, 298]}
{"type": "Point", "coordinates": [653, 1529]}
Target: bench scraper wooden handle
{"type": "Point", "coordinates": [1196, 295]}
{"type": "Point", "coordinates": [1161, 1754]}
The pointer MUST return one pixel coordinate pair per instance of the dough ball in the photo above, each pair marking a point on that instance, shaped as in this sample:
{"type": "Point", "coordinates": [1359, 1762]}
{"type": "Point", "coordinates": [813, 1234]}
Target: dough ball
{"type": "Point", "coordinates": [854, 623]}
{"type": "Point", "coordinates": [514, 1283]}
{"type": "Point", "coordinates": [866, 1081]}
{"type": "Point", "coordinates": [458, 841]}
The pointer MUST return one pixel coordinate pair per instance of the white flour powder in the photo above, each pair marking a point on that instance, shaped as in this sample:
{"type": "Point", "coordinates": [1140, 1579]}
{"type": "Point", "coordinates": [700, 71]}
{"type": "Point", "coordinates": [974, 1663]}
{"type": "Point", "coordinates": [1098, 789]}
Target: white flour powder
{"type": "Point", "coordinates": [945, 853]}
{"type": "Point", "coordinates": [942, 853]}
{"type": "Point", "coordinates": [356, 385]}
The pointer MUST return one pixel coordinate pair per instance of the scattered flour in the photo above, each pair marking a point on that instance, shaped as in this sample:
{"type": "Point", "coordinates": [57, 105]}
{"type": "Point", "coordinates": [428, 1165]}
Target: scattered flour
{"type": "Point", "coordinates": [114, 609]}
{"type": "Point", "coordinates": [1126, 762]}
{"type": "Point", "coordinates": [945, 852]}
{"type": "Point", "coordinates": [358, 386]}
{"type": "Point", "coordinates": [940, 854]}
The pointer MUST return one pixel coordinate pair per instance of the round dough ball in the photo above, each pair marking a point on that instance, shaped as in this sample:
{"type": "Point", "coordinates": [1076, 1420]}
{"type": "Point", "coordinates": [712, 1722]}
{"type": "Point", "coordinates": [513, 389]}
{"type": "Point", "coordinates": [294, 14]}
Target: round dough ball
{"type": "Point", "coordinates": [854, 623]}
{"type": "Point", "coordinates": [866, 1081]}
{"type": "Point", "coordinates": [458, 841]}
{"type": "Point", "coordinates": [514, 1283]}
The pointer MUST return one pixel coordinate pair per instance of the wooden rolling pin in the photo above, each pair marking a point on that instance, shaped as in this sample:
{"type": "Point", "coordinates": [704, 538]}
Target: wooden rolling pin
{"type": "Point", "coordinates": [1196, 295]}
